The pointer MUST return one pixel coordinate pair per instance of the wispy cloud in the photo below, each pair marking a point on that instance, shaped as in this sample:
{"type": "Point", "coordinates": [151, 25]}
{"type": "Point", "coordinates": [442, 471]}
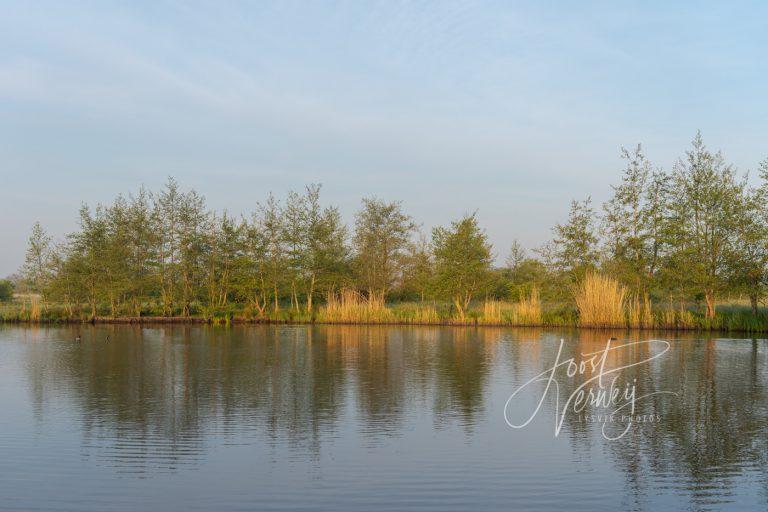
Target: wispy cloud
{"type": "Point", "coordinates": [510, 108]}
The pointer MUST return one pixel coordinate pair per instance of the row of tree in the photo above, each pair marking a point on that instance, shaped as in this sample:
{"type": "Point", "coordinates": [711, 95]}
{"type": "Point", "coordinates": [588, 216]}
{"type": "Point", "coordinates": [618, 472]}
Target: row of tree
{"type": "Point", "coordinates": [691, 233]}
{"type": "Point", "coordinates": [696, 232]}
{"type": "Point", "coordinates": [167, 251]}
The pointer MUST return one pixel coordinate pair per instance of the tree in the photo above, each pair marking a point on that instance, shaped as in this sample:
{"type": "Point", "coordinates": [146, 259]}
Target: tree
{"type": "Point", "coordinates": [67, 285]}
{"type": "Point", "coordinates": [516, 255]}
{"type": "Point", "coordinates": [703, 222]}
{"type": "Point", "coordinates": [631, 223]}
{"type": "Point", "coordinates": [418, 269]}
{"type": "Point", "coordinates": [6, 290]}
{"type": "Point", "coordinates": [462, 261]}
{"type": "Point", "coordinates": [523, 273]}
{"type": "Point", "coordinates": [573, 250]}
{"type": "Point", "coordinates": [181, 224]}
{"type": "Point", "coordinates": [89, 258]}
{"type": "Point", "coordinates": [382, 232]}
{"type": "Point", "coordinates": [192, 221]}
{"type": "Point", "coordinates": [166, 216]}
{"type": "Point", "coordinates": [325, 261]}
{"type": "Point", "coordinates": [118, 250]}
{"type": "Point", "coordinates": [315, 246]}
{"type": "Point", "coordinates": [530, 273]}
{"type": "Point", "coordinates": [224, 259]}
{"type": "Point", "coordinates": [655, 218]}
{"type": "Point", "coordinates": [143, 240]}
{"type": "Point", "coordinates": [36, 269]}
{"type": "Point", "coordinates": [271, 230]}
{"type": "Point", "coordinates": [251, 284]}
{"type": "Point", "coordinates": [294, 234]}
{"type": "Point", "coordinates": [748, 259]}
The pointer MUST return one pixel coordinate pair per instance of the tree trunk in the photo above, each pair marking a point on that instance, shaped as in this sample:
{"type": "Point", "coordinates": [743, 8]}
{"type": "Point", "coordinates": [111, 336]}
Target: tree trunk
{"type": "Point", "coordinates": [310, 294]}
{"type": "Point", "coordinates": [753, 303]}
{"type": "Point", "coordinates": [277, 305]}
{"type": "Point", "coordinates": [459, 307]}
{"type": "Point", "coordinates": [709, 296]}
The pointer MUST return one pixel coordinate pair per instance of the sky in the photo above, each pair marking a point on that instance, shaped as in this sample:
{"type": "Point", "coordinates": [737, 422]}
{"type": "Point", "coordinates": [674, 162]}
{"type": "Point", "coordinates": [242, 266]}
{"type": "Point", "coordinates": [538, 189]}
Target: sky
{"type": "Point", "coordinates": [508, 109]}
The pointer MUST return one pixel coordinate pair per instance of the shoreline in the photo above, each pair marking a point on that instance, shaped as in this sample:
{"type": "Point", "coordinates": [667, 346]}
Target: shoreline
{"type": "Point", "coordinates": [181, 320]}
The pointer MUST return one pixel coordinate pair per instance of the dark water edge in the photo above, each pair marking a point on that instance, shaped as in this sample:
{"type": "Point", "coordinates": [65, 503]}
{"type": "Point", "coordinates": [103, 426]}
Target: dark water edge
{"type": "Point", "coordinates": [149, 321]}
{"type": "Point", "coordinates": [311, 417]}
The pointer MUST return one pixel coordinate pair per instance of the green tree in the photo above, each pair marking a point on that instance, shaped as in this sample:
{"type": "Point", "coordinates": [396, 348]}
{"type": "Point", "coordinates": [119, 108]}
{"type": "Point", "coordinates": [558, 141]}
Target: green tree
{"type": "Point", "coordinates": [295, 239]}
{"type": "Point", "coordinates": [703, 222]}
{"type": "Point", "coordinates": [143, 242]}
{"type": "Point", "coordinates": [118, 284]}
{"type": "Point", "coordinates": [523, 273]}
{"type": "Point", "coordinates": [224, 259]}
{"type": "Point", "coordinates": [527, 274]}
{"type": "Point", "coordinates": [517, 254]}
{"type": "Point", "coordinates": [748, 259]}
{"type": "Point", "coordinates": [325, 261]}
{"type": "Point", "coordinates": [36, 268]}
{"type": "Point", "coordinates": [6, 290]}
{"type": "Point", "coordinates": [181, 224]}
{"type": "Point", "coordinates": [270, 229]}
{"type": "Point", "coordinates": [418, 269]}
{"type": "Point", "coordinates": [462, 262]}
{"type": "Point", "coordinates": [252, 283]}
{"type": "Point", "coordinates": [632, 222]}
{"type": "Point", "coordinates": [573, 250]}
{"type": "Point", "coordinates": [166, 216]}
{"type": "Point", "coordinates": [68, 284]}
{"type": "Point", "coordinates": [89, 256]}
{"type": "Point", "coordinates": [193, 219]}
{"type": "Point", "coordinates": [382, 233]}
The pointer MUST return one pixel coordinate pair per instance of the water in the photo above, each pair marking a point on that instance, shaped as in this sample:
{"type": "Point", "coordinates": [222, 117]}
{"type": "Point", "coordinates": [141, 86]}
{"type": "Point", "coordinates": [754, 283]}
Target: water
{"type": "Point", "coordinates": [345, 418]}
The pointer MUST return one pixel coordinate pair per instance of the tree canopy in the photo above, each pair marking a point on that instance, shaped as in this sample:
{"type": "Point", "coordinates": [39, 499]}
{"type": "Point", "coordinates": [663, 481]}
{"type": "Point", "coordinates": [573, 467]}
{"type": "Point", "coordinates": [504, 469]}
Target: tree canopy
{"type": "Point", "coordinates": [692, 234]}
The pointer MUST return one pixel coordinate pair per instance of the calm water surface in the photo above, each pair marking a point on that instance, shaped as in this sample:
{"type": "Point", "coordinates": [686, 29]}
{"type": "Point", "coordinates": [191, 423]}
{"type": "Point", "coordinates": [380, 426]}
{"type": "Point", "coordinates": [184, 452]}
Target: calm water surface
{"type": "Point", "coordinates": [343, 418]}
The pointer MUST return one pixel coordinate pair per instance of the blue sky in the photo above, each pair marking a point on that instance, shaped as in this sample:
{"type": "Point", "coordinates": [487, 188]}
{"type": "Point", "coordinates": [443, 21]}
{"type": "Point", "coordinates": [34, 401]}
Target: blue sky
{"type": "Point", "coordinates": [509, 108]}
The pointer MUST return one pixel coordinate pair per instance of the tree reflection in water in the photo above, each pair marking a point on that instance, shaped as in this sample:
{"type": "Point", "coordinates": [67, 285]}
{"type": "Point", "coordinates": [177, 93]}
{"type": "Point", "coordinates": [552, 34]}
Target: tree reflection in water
{"type": "Point", "coordinates": [300, 385]}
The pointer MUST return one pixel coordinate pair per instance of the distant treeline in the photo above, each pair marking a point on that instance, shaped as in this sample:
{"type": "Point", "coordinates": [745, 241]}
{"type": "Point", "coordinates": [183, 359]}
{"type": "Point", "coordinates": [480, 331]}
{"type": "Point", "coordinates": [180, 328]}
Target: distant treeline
{"type": "Point", "coordinates": [689, 234]}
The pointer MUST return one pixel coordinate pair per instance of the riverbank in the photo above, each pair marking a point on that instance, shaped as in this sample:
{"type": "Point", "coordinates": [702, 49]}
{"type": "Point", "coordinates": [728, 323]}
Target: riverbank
{"type": "Point", "coordinates": [728, 318]}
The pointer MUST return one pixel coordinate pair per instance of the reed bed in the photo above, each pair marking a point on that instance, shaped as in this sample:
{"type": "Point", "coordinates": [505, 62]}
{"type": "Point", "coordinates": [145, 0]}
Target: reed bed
{"type": "Point", "coordinates": [525, 312]}
{"type": "Point", "coordinates": [417, 313]}
{"type": "Point", "coordinates": [677, 318]}
{"type": "Point", "coordinates": [600, 300]}
{"type": "Point", "coordinates": [351, 306]}
{"type": "Point", "coordinates": [639, 312]}
{"type": "Point", "coordinates": [528, 310]}
{"type": "Point", "coordinates": [495, 312]}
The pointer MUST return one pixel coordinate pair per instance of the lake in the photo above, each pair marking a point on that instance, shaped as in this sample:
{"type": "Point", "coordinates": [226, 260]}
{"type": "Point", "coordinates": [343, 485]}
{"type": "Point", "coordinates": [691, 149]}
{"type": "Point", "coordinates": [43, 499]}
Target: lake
{"type": "Point", "coordinates": [359, 418]}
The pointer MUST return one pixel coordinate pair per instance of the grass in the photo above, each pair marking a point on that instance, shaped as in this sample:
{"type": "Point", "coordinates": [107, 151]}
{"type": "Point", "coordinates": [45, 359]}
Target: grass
{"type": "Point", "coordinates": [352, 307]}
{"type": "Point", "coordinates": [32, 309]}
{"type": "Point", "coordinates": [525, 312]}
{"type": "Point", "coordinates": [600, 302]}
{"type": "Point", "coordinates": [417, 313]}
{"type": "Point", "coordinates": [528, 311]}
{"type": "Point", "coordinates": [639, 312]}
